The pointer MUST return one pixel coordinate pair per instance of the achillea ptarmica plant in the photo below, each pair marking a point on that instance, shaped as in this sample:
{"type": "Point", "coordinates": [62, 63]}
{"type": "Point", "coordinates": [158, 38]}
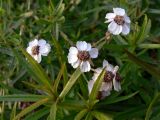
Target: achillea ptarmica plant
{"type": "Point", "coordinates": [119, 22]}
{"type": "Point", "coordinates": [38, 48]}
{"type": "Point", "coordinates": [111, 79]}
{"type": "Point", "coordinates": [81, 55]}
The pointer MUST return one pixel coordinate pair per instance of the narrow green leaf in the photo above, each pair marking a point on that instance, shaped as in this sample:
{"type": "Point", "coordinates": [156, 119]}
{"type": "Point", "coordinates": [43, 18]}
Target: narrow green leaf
{"type": "Point", "coordinates": [11, 89]}
{"type": "Point", "coordinates": [70, 83]}
{"type": "Point", "coordinates": [37, 114]}
{"type": "Point", "coordinates": [81, 114]}
{"type": "Point", "coordinates": [73, 104]}
{"type": "Point", "coordinates": [96, 86]}
{"type": "Point", "coordinates": [52, 115]}
{"type": "Point", "coordinates": [101, 116]}
{"type": "Point", "coordinates": [13, 113]}
{"type": "Point", "coordinates": [36, 87]}
{"type": "Point", "coordinates": [149, 46]}
{"type": "Point", "coordinates": [119, 99]}
{"type": "Point", "coordinates": [59, 52]}
{"type": "Point", "coordinates": [30, 108]}
{"type": "Point", "coordinates": [144, 30]}
{"type": "Point", "coordinates": [89, 116]}
{"type": "Point", "coordinates": [150, 68]}
{"type": "Point", "coordinates": [19, 97]}
{"type": "Point", "coordinates": [38, 70]}
{"type": "Point", "coordinates": [149, 110]}
{"type": "Point", "coordinates": [56, 82]}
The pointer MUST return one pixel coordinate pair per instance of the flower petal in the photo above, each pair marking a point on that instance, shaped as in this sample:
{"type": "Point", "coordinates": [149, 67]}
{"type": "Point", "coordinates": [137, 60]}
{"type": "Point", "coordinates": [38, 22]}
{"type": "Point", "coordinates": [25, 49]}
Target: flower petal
{"type": "Point", "coordinates": [41, 42]}
{"type": "Point", "coordinates": [110, 15]}
{"type": "Point", "coordinates": [93, 53]}
{"type": "Point", "coordinates": [72, 58]}
{"type": "Point", "coordinates": [125, 29]}
{"type": "Point", "coordinates": [76, 64]}
{"type": "Point", "coordinates": [45, 49]}
{"type": "Point", "coordinates": [112, 26]}
{"type": "Point", "coordinates": [110, 68]}
{"type": "Point", "coordinates": [105, 93]}
{"type": "Point", "coordinates": [29, 50]}
{"type": "Point", "coordinates": [105, 63]}
{"type": "Point", "coordinates": [116, 85]}
{"type": "Point", "coordinates": [127, 19]}
{"type": "Point", "coordinates": [85, 66]}
{"type": "Point", "coordinates": [106, 86]}
{"type": "Point", "coordinates": [118, 30]}
{"type": "Point", "coordinates": [90, 85]}
{"type": "Point", "coordinates": [38, 58]}
{"type": "Point", "coordinates": [115, 69]}
{"type": "Point", "coordinates": [33, 43]}
{"type": "Point", "coordinates": [88, 47]}
{"type": "Point", "coordinates": [119, 11]}
{"type": "Point", "coordinates": [109, 20]}
{"type": "Point", "coordinates": [73, 50]}
{"type": "Point", "coordinates": [81, 45]}
{"type": "Point", "coordinates": [97, 73]}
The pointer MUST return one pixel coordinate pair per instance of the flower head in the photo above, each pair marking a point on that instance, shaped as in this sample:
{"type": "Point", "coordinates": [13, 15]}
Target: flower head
{"type": "Point", "coordinates": [119, 22]}
{"type": "Point", "coordinates": [38, 48]}
{"type": "Point", "coordinates": [111, 79]}
{"type": "Point", "coordinates": [81, 55]}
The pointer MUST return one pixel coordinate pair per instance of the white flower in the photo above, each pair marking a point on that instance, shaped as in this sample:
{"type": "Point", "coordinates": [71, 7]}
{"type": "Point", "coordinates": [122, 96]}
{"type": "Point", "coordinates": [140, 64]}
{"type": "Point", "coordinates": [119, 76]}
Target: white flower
{"type": "Point", "coordinates": [81, 55]}
{"type": "Point", "coordinates": [119, 22]}
{"type": "Point", "coordinates": [38, 48]}
{"type": "Point", "coordinates": [111, 79]}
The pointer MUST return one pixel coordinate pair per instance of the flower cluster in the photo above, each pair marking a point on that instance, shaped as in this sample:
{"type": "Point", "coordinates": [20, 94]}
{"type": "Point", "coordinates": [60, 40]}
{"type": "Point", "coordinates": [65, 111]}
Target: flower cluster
{"type": "Point", "coordinates": [82, 53]}
{"type": "Point", "coordinates": [111, 79]}
{"type": "Point", "coordinates": [38, 48]}
{"type": "Point", "coordinates": [119, 22]}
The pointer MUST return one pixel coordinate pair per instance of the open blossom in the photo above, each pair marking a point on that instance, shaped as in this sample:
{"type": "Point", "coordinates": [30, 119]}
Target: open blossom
{"type": "Point", "coordinates": [38, 48]}
{"type": "Point", "coordinates": [81, 55]}
{"type": "Point", "coordinates": [111, 79]}
{"type": "Point", "coordinates": [119, 22]}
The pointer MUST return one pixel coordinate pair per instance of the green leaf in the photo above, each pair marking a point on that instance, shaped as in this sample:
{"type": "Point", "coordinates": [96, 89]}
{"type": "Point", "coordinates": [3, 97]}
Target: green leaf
{"type": "Point", "coordinates": [70, 83]}
{"type": "Point", "coordinates": [131, 112]}
{"type": "Point", "coordinates": [118, 99]}
{"type": "Point", "coordinates": [150, 68]}
{"type": "Point", "coordinates": [30, 108]}
{"type": "Point", "coordinates": [149, 46]}
{"type": "Point", "coordinates": [59, 52]}
{"type": "Point", "coordinates": [56, 82]}
{"type": "Point", "coordinates": [81, 114]}
{"type": "Point", "coordinates": [150, 108]}
{"type": "Point", "coordinates": [37, 87]}
{"type": "Point", "coordinates": [11, 89]}
{"type": "Point", "coordinates": [37, 114]}
{"type": "Point", "coordinates": [144, 31]}
{"type": "Point", "coordinates": [19, 97]}
{"type": "Point", "coordinates": [13, 113]}
{"type": "Point", "coordinates": [101, 116]}
{"type": "Point", "coordinates": [89, 116]}
{"type": "Point", "coordinates": [38, 70]}
{"type": "Point", "coordinates": [73, 104]}
{"type": "Point", "coordinates": [96, 86]}
{"type": "Point", "coordinates": [52, 115]}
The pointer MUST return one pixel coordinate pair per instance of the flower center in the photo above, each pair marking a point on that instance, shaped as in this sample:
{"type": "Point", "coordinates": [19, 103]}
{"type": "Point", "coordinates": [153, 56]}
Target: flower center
{"type": "Point", "coordinates": [119, 20]}
{"type": "Point", "coordinates": [35, 50]}
{"type": "Point", "coordinates": [118, 77]}
{"type": "Point", "coordinates": [108, 76]}
{"type": "Point", "coordinates": [83, 55]}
